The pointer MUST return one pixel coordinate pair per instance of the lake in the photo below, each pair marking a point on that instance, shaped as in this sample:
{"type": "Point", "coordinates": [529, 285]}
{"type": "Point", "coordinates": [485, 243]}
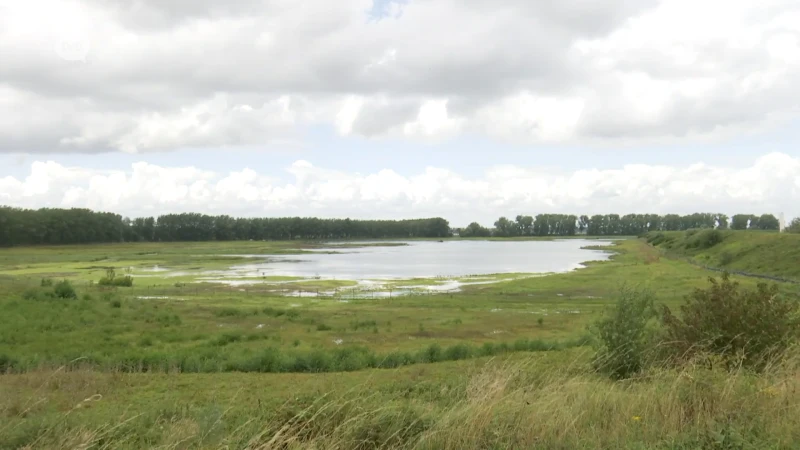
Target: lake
{"type": "Point", "coordinates": [428, 259]}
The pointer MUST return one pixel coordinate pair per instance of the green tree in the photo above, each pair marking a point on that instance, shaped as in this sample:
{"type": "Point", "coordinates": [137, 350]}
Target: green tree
{"type": "Point", "coordinates": [741, 221]}
{"type": "Point", "coordinates": [475, 230]}
{"type": "Point", "coordinates": [524, 225]}
{"type": "Point", "coordinates": [583, 224]}
{"type": "Point", "coordinates": [768, 222]}
{"type": "Point", "coordinates": [793, 226]}
{"type": "Point", "coordinates": [722, 221]}
{"type": "Point", "coordinates": [504, 227]}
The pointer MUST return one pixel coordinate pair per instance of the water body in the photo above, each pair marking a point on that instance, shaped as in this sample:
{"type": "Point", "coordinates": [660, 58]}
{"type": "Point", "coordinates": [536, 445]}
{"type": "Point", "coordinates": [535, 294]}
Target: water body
{"type": "Point", "coordinates": [428, 259]}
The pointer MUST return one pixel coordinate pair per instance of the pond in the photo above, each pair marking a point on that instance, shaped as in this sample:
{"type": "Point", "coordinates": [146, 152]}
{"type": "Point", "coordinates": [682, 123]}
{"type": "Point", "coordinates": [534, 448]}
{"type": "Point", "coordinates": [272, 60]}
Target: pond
{"type": "Point", "coordinates": [427, 259]}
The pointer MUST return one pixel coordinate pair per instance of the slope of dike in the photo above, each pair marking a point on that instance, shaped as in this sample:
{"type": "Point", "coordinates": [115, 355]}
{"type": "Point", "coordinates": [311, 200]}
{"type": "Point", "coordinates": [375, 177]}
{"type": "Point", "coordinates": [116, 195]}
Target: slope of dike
{"type": "Point", "coordinates": [753, 252]}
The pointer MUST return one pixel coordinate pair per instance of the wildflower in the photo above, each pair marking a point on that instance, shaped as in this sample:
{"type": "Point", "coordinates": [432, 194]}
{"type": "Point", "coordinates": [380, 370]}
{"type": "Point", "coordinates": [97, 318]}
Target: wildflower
{"type": "Point", "coordinates": [636, 418]}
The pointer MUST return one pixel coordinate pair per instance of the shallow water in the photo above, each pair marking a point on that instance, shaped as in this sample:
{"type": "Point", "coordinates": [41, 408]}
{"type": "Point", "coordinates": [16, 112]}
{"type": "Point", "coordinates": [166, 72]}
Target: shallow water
{"type": "Point", "coordinates": [428, 259]}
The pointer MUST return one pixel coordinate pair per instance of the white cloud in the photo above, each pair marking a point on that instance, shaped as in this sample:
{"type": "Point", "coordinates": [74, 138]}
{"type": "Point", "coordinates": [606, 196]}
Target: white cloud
{"type": "Point", "coordinates": [154, 75]}
{"type": "Point", "coordinates": [771, 184]}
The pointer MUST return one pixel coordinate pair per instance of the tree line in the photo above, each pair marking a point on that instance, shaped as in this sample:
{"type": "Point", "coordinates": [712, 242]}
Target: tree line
{"type": "Point", "coordinates": [82, 226]}
{"type": "Point", "coordinates": [615, 224]}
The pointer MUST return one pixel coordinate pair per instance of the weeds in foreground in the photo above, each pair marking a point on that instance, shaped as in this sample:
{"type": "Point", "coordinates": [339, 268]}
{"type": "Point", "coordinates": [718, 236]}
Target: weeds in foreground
{"type": "Point", "coordinates": [501, 404]}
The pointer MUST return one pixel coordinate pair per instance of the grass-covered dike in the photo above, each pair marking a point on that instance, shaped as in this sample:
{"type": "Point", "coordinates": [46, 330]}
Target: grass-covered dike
{"type": "Point", "coordinates": [756, 252]}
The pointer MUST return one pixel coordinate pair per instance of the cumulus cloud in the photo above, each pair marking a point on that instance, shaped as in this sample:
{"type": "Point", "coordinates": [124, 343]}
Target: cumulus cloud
{"type": "Point", "coordinates": [156, 75]}
{"type": "Point", "coordinates": [771, 184]}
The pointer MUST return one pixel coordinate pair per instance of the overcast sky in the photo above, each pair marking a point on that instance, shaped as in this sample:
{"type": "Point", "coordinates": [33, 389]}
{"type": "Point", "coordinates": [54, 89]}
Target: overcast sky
{"type": "Point", "coordinates": [465, 109]}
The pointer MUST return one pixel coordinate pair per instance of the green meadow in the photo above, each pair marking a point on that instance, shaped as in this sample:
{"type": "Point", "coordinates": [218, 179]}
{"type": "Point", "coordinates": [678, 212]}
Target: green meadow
{"type": "Point", "coordinates": [177, 362]}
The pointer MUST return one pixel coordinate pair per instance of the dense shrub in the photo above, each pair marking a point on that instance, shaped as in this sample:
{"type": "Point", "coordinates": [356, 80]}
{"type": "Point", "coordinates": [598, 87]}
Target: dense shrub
{"type": "Point", "coordinates": [432, 354]}
{"type": "Point", "coordinates": [658, 238]}
{"type": "Point", "coordinates": [705, 239]}
{"type": "Point", "coordinates": [743, 326]}
{"type": "Point", "coordinates": [215, 357]}
{"type": "Point", "coordinates": [725, 258]}
{"type": "Point", "coordinates": [46, 282]}
{"type": "Point", "coordinates": [654, 238]}
{"type": "Point", "coordinates": [395, 359]}
{"type": "Point", "coordinates": [457, 352]}
{"type": "Point", "coordinates": [111, 279]}
{"type": "Point", "coordinates": [125, 281]}
{"type": "Point", "coordinates": [625, 335]}
{"type": "Point", "coordinates": [63, 289]}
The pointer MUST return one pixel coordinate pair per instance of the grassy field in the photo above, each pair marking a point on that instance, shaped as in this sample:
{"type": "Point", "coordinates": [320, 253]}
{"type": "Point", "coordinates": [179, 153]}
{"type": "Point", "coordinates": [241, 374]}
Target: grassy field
{"type": "Point", "coordinates": [173, 365]}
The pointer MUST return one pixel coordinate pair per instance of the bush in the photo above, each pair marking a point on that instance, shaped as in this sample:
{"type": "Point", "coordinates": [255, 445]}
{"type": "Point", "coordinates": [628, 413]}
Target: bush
{"type": "Point", "coordinates": [46, 282]}
{"type": "Point", "coordinates": [431, 354]}
{"type": "Point", "coordinates": [457, 352]}
{"type": "Point", "coordinates": [63, 289]}
{"type": "Point", "coordinates": [125, 281]}
{"type": "Point", "coordinates": [395, 359]}
{"type": "Point", "coordinates": [655, 238]}
{"type": "Point", "coordinates": [725, 258]}
{"type": "Point", "coordinates": [116, 304]}
{"type": "Point", "coordinates": [741, 326]}
{"type": "Point", "coordinates": [705, 239]}
{"type": "Point", "coordinates": [111, 279]}
{"type": "Point", "coordinates": [623, 337]}
{"type": "Point", "coordinates": [488, 349]}
{"type": "Point", "coordinates": [323, 327]}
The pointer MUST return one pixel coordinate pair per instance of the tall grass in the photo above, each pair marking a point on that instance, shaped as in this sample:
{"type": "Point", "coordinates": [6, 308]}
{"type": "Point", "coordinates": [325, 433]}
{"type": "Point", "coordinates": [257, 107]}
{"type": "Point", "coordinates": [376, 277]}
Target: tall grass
{"type": "Point", "coordinates": [503, 405]}
{"type": "Point", "coordinates": [215, 358]}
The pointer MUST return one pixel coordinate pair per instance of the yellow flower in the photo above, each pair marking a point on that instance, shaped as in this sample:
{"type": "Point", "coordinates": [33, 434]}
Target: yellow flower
{"type": "Point", "coordinates": [636, 418]}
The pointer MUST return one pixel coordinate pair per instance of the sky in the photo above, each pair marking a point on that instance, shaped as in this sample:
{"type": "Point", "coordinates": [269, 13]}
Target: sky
{"type": "Point", "coordinates": [466, 110]}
